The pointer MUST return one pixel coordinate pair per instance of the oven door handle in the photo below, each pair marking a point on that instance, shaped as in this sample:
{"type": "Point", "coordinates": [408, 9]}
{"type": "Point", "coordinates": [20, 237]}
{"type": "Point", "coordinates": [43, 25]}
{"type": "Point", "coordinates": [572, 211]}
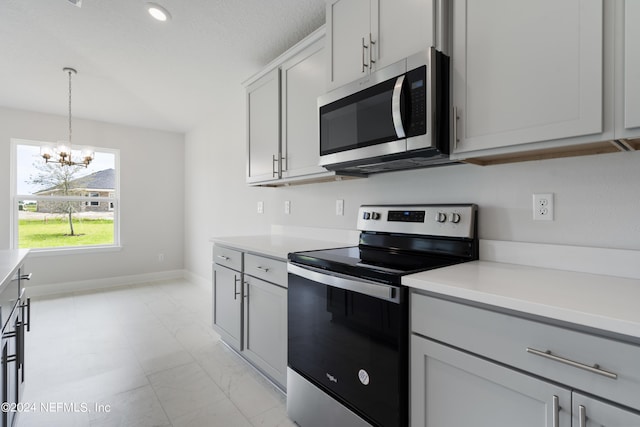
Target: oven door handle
{"type": "Point", "coordinates": [349, 283]}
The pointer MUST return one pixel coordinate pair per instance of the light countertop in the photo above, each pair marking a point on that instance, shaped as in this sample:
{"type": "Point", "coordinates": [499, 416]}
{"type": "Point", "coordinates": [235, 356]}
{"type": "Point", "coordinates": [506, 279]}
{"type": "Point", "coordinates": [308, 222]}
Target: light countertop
{"type": "Point", "coordinates": [276, 245]}
{"type": "Point", "coordinates": [10, 260]}
{"type": "Point", "coordinates": [597, 301]}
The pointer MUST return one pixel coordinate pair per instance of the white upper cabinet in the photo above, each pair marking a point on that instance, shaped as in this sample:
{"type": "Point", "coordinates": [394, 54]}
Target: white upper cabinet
{"type": "Point", "coordinates": [527, 72]}
{"type": "Point", "coordinates": [303, 81]}
{"type": "Point", "coordinates": [366, 35]}
{"type": "Point", "coordinates": [629, 95]}
{"type": "Point", "coordinates": [349, 36]}
{"type": "Point", "coordinates": [282, 117]}
{"type": "Point", "coordinates": [405, 27]}
{"type": "Point", "coordinates": [263, 128]}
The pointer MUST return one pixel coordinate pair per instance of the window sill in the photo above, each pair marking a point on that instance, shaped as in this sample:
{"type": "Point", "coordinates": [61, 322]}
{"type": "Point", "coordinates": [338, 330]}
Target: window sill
{"type": "Point", "coordinates": [79, 250]}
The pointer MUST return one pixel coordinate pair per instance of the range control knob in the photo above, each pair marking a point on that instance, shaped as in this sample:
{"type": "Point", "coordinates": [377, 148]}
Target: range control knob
{"type": "Point", "coordinates": [454, 218]}
{"type": "Point", "coordinates": [375, 215]}
{"type": "Point", "coordinates": [366, 215]}
{"type": "Point", "coordinates": [441, 217]}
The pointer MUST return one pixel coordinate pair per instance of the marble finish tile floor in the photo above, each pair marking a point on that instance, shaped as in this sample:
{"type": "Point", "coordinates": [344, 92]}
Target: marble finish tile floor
{"type": "Point", "coordinates": [139, 356]}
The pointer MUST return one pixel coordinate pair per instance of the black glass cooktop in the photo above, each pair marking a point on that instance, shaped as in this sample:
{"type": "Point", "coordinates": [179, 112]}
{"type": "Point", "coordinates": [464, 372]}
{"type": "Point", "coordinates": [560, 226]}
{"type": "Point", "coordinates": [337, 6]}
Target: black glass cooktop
{"type": "Point", "coordinates": [385, 265]}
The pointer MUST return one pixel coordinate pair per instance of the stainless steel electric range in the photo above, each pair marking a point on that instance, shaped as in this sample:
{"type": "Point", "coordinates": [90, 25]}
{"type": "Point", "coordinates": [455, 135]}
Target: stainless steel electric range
{"type": "Point", "coordinates": [348, 313]}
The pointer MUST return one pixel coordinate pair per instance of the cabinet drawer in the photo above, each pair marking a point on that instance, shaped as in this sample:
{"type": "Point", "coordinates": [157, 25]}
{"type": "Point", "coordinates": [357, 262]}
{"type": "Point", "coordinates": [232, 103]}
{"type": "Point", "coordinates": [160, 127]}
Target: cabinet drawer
{"type": "Point", "coordinates": [264, 268]}
{"type": "Point", "coordinates": [523, 344]}
{"type": "Point", "coordinates": [228, 257]}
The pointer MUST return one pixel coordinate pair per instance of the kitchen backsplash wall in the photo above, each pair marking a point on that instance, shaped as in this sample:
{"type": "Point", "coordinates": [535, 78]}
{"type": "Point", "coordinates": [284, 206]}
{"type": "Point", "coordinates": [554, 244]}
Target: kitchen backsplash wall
{"type": "Point", "coordinates": [597, 198]}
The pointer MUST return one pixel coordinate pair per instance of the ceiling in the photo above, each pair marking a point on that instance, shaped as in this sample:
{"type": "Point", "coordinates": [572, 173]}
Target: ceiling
{"type": "Point", "coordinates": [134, 70]}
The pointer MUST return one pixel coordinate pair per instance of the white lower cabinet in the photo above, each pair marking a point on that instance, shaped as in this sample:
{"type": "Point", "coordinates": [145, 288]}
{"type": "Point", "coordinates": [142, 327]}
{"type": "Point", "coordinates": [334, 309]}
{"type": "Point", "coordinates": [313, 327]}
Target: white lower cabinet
{"type": "Point", "coordinates": [590, 412]}
{"type": "Point", "coordinates": [478, 366]}
{"type": "Point", "coordinates": [250, 309]}
{"type": "Point", "coordinates": [265, 327]}
{"type": "Point", "coordinates": [227, 305]}
{"type": "Point", "coordinates": [453, 388]}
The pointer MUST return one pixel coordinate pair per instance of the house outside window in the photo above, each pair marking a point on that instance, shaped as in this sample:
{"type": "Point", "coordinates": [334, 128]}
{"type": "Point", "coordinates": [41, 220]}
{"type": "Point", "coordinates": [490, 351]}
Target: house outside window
{"type": "Point", "coordinates": [92, 203]}
{"type": "Point", "coordinates": [50, 200]}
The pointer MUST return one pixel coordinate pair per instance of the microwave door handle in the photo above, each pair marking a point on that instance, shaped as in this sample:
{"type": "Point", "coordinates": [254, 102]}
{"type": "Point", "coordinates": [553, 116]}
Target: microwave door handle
{"type": "Point", "coordinates": [396, 107]}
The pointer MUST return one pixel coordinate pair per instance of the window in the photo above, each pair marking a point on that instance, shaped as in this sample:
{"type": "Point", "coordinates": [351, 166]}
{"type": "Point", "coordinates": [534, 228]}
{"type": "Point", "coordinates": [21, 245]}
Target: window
{"type": "Point", "coordinates": [92, 203]}
{"type": "Point", "coordinates": [51, 207]}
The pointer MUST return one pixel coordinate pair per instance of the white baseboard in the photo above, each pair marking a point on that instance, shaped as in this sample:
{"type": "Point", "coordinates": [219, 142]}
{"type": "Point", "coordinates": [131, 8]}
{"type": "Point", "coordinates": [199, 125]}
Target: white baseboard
{"type": "Point", "coordinates": [198, 280]}
{"type": "Point", "coordinates": [97, 284]}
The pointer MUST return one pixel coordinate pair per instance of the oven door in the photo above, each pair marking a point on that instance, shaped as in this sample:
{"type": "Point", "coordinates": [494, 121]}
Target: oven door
{"type": "Point", "coordinates": [348, 337]}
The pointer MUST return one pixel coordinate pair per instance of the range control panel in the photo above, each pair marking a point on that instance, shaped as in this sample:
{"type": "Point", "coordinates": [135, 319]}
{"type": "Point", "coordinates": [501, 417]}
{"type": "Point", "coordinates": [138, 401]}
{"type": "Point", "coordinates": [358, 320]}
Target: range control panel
{"type": "Point", "coordinates": [428, 220]}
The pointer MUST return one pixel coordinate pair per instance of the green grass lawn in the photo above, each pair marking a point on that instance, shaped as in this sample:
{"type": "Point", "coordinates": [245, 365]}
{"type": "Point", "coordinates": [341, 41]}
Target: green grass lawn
{"type": "Point", "coordinates": [55, 233]}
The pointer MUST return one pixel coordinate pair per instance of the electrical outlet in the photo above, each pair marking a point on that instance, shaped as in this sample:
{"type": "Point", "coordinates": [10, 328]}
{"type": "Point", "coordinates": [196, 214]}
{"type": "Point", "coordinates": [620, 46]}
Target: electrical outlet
{"type": "Point", "coordinates": [543, 207]}
{"type": "Point", "coordinates": [340, 207]}
{"type": "Point", "coordinates": [160, 257]}
{"type": "Point", "coordinates": [287, 207]}
{"type": "Point", "coordinates": [260, 207]}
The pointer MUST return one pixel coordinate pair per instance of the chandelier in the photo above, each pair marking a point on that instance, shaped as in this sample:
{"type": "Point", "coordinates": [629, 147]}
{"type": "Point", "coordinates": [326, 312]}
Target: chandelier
{"type": "Point", "coordinates": [62, 153]}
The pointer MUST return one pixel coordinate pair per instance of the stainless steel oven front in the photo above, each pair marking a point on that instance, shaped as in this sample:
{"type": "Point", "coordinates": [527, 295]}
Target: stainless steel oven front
{"type": "Point", "coordinates": [347, 350]}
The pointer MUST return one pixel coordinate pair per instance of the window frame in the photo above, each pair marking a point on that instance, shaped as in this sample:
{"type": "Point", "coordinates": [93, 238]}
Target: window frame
{"type": "Point", "coordinates": [14, 197]}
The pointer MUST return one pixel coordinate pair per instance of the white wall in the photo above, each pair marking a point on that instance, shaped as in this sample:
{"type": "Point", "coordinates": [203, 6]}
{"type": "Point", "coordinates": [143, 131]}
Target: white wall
{"type": "Point", "coordinates": [152, 186]}
{"type": "Point", "coordinates": [597, 198]}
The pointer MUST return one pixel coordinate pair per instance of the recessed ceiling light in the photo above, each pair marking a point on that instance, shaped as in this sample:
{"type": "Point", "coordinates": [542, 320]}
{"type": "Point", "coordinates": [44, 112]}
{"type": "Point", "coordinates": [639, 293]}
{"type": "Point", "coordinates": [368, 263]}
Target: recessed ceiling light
{"type": "Point", "coordinates": [158, 12]}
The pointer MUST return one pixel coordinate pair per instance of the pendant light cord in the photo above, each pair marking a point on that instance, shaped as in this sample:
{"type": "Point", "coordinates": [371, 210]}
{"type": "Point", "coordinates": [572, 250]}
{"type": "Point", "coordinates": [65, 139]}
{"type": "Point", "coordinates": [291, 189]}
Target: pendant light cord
{"type": "Point", "coordinates": [69, 71]}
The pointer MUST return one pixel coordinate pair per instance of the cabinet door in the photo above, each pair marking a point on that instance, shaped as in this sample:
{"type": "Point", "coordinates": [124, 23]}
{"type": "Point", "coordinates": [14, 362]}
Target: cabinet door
{"type": "Point", "coordinates": [526, 72]}
{"type": "Point", "coordinates": [631, 69]}
{"type": "Point", "coordinates": [588, 412]}
{"type": "Point", "coordinates": [405, 27]}
{"type": "Point", "coordinates": [303, 81]}
{"type": "Point", "coordinates": [452, 388]}
{"type": "Point", "coordinates": [266, 327]}
{"type": "Point", "coordinates": [227, 305]}
{"type": "Point", "coordinates": [10, 366]}
{"type": "Point", "coordinates": [263, 134]}
{"type": "Point", "coordinates": [348, 31]}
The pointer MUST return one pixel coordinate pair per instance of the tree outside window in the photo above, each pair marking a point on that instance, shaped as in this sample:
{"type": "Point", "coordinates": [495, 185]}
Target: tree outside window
{"type": "Point", "coordinates": [52, 210]}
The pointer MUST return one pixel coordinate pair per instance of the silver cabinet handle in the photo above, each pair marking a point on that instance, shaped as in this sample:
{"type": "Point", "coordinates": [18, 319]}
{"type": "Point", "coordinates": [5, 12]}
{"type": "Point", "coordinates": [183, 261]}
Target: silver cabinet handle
{"type": "Point", "coordinates": [371, 44]}
{"type": "Point", "coordinates": [265, 269]}
{"type": "Point", "coordinates": [273, 166]}
{"type": "Point", "coordinates": [455, 128]}
{"type": "Point", "coordinates": [276, 165]}
{"type": "Point", "coordinates": [582, 416]}
{"type": "Point", "coordinates": [364, 46]}
{"type": "Point", "coordinates": [396, 112]}
{"type": "Point", "coordinates": [556, 411]}
{"type": "Point", "coordinates": [27, 306]}
{"type": "Point", "coordinates": [224, 258]}
{"type": "Point", "coordinates": [26, 276]}
{"type": "Point", "coordinates": [235, 287]}
{"type": "Point", "coordinates": [595, 369]}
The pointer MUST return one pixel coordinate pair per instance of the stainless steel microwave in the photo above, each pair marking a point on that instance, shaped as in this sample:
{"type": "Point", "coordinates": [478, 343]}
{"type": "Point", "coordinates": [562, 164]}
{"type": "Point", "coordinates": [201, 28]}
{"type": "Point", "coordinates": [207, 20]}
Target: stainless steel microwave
{"type": "Point", "coordinates": [395, 118]}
